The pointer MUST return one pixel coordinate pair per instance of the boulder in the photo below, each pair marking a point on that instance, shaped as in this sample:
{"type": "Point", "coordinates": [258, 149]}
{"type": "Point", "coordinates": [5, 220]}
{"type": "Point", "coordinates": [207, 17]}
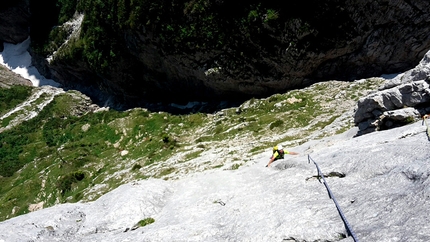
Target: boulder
{"type": "Point", "coordinates": [400, 100]}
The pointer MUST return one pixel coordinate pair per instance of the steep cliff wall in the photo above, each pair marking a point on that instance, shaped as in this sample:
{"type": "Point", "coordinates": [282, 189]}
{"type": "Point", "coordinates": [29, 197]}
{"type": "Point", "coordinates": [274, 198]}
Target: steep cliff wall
{"type": "Point", "coordinates": [188, 50]}
{"type": "Point", "coordinates": [14, 21]}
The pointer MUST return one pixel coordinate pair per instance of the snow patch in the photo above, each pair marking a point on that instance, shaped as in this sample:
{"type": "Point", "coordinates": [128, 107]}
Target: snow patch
{"type": "Point", "coordinates": [17, 59]}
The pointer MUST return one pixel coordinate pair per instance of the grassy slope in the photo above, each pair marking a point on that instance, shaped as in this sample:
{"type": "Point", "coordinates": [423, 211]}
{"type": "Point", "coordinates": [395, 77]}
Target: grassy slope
{"type": "Point", "coordinates": [63, 156]}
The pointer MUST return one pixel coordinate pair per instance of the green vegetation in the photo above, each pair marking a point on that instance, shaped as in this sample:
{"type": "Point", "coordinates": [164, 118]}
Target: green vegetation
{"type": "Point", "coordinates": [67, 9]}
{"type": "Point", "coordinates": [193, 155]}
{"type": "Point", "coordinates": [60, 157]}
{"type": "Point", "coordinates": [235, 166]}
{"type": "Point", "coordinates": [65, 183]}
{"type": "Point", "coordinates": [277, 123]}
{"type": "Point", "coordinates": [145, 222]}
{"type": "Point", "coordinates": [136, 167]}
{"type": "Point", "coordinates": [10, 98]}
{"type": "Point", "coordinates": [165, 172]}
{"type": "Point", "coordinates": [60, 149]}
{"type": "Point", "coordinates": [188, 26]}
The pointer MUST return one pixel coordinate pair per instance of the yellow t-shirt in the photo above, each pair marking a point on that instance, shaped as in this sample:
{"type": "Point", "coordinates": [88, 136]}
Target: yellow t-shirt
{"type": "Point", "coordinates": [276, 154]}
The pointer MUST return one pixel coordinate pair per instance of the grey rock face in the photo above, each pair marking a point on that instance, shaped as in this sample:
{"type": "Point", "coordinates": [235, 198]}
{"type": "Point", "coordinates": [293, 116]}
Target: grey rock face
{"type": "Point", "coordinates": [9, 78]}
{"type": "Point", "coordinates": [383, 191]}
{"type": "Point", "coordinates": [400, 100]}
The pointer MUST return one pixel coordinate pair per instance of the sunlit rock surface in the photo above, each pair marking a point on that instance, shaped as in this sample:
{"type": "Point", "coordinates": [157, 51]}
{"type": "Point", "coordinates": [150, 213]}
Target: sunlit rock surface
{"type": "Point", "coordinates": [400, 100]}
{"type": "Point", "coordinates": [384, 195]}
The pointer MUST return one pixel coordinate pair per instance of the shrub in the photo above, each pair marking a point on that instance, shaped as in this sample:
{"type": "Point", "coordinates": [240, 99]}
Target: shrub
{"type": "Point", "coordinates": [136, 167]}
{"type": "Point", "coordinates": [145, 222]}
{"type": "Point", "coordinates": [166, 138]}
{"type": "Point", "coordinates": [235, 166]}
{"type": "Point", "coordinates": [275, 98]}
{"type": "Point", "coordinates": [12, 147]}
{"type": "Point", "coordinates": [252, 15]}
{"type": "Point", "coordinates": [166, 171]}
{"type": "Point", "coordinates": [13, 96]}
{"type": "Point", "coordinates": [276, 124]}
{"type": "Point", "coordinates": [67, 9]}
{"type": "Point", "coordinates": [65, 183]}
{"type": "Point", "coordinates": [271, 15]}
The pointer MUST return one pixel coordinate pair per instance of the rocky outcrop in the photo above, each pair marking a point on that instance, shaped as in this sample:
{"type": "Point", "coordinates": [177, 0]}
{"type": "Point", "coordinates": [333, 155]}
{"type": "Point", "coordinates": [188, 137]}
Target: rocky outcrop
{"type": "Point", "coordinates": [399, 101]}
{"type": "Point", "coordinates": [14, 21]}
{"type": "Point", "coordinates": [9, 78]}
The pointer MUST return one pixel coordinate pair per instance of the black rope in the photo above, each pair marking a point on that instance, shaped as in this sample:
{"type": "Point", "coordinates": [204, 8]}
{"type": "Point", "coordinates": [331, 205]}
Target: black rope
{"type": "Point", "coordinates": [345, 222]}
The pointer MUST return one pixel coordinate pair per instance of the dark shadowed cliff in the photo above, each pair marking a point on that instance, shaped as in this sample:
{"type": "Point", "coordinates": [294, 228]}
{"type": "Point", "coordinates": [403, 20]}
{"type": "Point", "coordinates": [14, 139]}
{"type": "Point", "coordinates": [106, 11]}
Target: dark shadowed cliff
{"type": "Point", "coordinates": [204, 50]}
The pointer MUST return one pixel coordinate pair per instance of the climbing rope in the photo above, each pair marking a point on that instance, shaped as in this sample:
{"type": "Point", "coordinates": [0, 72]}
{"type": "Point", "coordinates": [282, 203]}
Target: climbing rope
{"type": "Point", "coordinates": [425, 117]}
{"type": "Point", "coordinates": [345, 222]}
